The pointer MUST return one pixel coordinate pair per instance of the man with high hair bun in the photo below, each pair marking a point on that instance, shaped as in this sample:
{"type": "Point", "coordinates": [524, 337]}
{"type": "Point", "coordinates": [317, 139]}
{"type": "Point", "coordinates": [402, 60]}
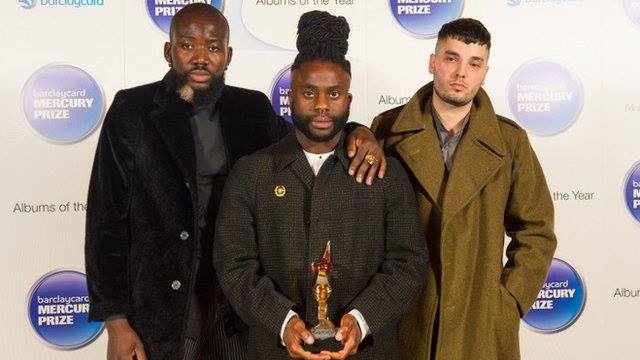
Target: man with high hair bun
{"type": "Point", "coordinates": [164, 153]}
{"type": "Point", "coordinates": [283, 204]}
{"type": "Point", "coordinates": [476, 178]}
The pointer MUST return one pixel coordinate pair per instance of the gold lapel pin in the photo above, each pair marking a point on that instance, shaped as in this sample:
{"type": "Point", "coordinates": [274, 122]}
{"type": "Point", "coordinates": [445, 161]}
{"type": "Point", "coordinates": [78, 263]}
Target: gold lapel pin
{"type": "Point", "coordinates": [280, 190]}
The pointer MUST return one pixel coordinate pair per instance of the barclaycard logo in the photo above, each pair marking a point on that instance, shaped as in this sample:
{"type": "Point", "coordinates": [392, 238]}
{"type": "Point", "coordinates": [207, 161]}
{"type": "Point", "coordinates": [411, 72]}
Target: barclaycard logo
{"type": "Point", "coordinates": [513, 2]}
{"type": "Point", "coordinates": [27, 4]}
{"type": "Point", "coordinates": [30, 4]}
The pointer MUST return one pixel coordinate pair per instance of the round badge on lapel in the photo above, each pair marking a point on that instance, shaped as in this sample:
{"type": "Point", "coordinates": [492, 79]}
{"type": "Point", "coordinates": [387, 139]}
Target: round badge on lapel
{"type": "Point", "coordinates": [280, 190]}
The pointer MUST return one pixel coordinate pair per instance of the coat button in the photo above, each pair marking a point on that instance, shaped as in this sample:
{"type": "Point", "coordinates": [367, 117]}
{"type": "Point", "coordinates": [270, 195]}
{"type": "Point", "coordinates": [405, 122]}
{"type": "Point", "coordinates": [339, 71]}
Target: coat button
{"type": "Point", "coordinates": [187, 185]}
{"type": "Point", "coordinates": [184, 235]}
{"type": "Point", "coordinates": [175, 285]}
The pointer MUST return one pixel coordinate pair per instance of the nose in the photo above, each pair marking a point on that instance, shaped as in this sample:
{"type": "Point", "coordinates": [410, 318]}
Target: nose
{"type": "Point", "coordinates": [200, 56]}
{"type": "Point", "coordinates": [461, 71]}
{"type": "Point", "coordinates": [322, 105]}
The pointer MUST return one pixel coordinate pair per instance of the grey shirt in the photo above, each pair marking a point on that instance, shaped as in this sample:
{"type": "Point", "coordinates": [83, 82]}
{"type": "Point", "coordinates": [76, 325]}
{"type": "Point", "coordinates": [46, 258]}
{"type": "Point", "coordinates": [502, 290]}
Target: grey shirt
{"type": "Point", "coordinates": [448, 143]}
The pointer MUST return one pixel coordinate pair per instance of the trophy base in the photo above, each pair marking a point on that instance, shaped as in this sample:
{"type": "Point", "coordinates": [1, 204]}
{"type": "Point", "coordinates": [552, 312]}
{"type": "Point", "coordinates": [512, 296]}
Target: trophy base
{"type": "Point", "coordinates": [324, 335]}
{"type": "Point", "coordinates": [330, 344]}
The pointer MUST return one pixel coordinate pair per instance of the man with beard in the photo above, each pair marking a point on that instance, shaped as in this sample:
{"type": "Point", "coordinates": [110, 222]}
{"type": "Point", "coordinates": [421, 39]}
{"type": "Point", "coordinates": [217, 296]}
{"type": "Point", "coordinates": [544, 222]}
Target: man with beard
{"type": "Point", "coordinates": [162, 159]}
{"type": "Point", "coordinates": [475, 177]}
{"type": "Point", "coordinates": [283, 204]}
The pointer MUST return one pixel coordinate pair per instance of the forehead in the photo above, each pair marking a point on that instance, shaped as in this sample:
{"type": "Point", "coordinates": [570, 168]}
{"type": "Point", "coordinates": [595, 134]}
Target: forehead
{"type": "Point", "coordinates": [321, 74]}
{"type": "Point", "coordinates": [211, 26]}
{"type": "Point", "coordinates": [450, 45]}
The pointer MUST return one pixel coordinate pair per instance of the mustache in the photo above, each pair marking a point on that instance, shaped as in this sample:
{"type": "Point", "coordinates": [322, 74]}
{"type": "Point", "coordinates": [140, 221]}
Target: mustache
{"type": "Point", "coordinates": [200, 69]}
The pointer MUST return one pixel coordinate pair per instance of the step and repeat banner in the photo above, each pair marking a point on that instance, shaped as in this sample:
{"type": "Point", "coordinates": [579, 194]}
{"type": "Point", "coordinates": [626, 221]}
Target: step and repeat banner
{"type": "Point", "coordinates": [565, 70]}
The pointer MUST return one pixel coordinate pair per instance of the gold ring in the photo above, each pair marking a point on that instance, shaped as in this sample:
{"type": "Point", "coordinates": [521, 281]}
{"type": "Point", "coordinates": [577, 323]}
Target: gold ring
{"type": "Point", "coordinates": [370, 159]}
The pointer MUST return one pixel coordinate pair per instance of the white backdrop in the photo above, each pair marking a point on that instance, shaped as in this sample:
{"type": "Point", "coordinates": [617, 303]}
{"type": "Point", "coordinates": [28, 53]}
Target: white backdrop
{"type": "Point", "coordinates": [117, 43]}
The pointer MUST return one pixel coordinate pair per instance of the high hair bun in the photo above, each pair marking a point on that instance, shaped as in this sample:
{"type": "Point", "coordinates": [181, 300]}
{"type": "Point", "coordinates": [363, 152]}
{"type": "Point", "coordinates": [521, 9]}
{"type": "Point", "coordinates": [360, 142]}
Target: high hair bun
{"type": "Point", "coordinates": [322, 35]}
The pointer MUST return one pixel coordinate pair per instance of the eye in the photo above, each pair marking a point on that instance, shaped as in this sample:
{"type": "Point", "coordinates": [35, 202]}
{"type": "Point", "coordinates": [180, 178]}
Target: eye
{"type": "Point", "coordinates": [186, 46]}
{"type": "Point", "coordinates": [449, 58]}
{"type": "Point", "coordinates": [334, 94]}
{"type": "Point", "coordinates": [476, 66]}
{"type": "Point", "coordinates": [308, 93]}
{"type": "Point", "coordinates": [214, 48]}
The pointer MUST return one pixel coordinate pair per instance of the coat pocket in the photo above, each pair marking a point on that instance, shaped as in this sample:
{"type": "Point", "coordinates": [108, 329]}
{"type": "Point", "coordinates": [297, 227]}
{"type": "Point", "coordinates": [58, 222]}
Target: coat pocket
{"type": "Point", "coordinates": [507, 325]}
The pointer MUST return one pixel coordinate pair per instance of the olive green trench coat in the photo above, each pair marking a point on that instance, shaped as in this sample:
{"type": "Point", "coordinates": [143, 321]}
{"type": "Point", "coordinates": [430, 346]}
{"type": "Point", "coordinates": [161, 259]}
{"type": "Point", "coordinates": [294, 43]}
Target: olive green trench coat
{"type": "Point", "coordinates": [471, 304]}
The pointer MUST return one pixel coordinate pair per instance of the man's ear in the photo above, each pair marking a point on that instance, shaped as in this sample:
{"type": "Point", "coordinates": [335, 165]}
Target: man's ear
{"type": "Point", "coordinates": [229, 56]}
{"type": "Point", "coordinates": [432, 63]}
{"type": "Point", "coordinates": [167, 52]}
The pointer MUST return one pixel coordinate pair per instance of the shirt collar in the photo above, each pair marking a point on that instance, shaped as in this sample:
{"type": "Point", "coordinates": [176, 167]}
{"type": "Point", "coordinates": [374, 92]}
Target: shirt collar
{"type": "Point", "coordinates": [289, 150]}
{"type": "Point", "coordinates": [443, 133]}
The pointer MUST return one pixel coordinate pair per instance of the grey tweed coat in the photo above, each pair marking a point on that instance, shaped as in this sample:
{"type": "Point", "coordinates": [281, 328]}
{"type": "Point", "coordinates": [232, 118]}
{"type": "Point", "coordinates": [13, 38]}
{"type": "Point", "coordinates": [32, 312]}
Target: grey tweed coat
{"type": "Point", "coordinates": [264, 245]}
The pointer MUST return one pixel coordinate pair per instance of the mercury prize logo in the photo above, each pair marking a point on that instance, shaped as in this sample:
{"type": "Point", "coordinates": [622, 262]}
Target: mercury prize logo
{"type": "Point", "coordinates": [27, 4]}
{"type": "Point", "coordinates": [633, 10]}
{"type": "Point", "coordinates": [560, 301]}
{"type": "Point", "coordinates": [424, 18]}
{"type": "Point", "coordinates": [58, 310]}
{"type": "Point", "coordinates": [279, 91]}
{"type": "Point", "coordinates": [162, 11]}
{"type": "Point", "coordinates": [632, 191]}
{"type": "Point", "coordinates": [545, 97]}
{"type": "Point", "coordinates": [62, 103]}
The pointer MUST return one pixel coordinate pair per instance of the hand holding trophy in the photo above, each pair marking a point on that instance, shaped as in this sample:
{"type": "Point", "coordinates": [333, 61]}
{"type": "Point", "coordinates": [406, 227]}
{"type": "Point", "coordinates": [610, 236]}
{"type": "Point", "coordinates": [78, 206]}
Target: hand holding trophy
{"type": "Point", "coordinates": [324, 331]}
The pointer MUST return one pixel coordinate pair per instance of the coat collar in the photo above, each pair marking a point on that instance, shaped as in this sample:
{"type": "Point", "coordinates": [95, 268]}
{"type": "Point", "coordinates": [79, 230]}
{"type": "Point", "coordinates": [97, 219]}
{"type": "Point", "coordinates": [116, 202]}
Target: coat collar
{"type": "Point", "coordinates": [478, 156]}
{"type": "Point", "coordinates": [171, 117]}
{"type": "Point", "coordinates": [288, 153]}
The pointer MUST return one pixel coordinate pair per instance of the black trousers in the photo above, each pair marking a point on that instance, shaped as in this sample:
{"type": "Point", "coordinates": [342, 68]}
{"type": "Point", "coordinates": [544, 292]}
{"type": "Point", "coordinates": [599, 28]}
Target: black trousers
{"type": "Point", "coordinates": [213, 344]}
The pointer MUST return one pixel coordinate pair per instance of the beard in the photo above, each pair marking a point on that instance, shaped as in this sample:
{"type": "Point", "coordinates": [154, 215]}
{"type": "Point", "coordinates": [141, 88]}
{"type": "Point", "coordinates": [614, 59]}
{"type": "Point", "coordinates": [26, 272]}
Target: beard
{"type": "Point", "coordinates": [453, 98]}
{"type": "Point", "coordinates": [303, 124]}
{"type": "Point", "coordinates": [208, 95]}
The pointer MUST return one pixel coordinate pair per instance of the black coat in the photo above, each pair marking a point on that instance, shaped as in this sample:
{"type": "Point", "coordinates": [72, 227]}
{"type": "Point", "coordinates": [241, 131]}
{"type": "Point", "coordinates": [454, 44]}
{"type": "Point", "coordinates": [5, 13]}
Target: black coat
{"type": "Point", "coordinates": [264, 244]}
{"type": "Point", "coordinates": [141, 230]}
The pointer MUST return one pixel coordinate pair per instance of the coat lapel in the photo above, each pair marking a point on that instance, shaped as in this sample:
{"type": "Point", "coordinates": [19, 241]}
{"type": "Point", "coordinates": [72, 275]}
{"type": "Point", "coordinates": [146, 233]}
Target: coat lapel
{"type": "Point", "coordinates": [171, 118]}
{"type": "Point", "coordinates": [289, 152]}
{"type": "Point", "coordinates": [478, 157]}
{"type": "Point", "coordinates": [420, 150]}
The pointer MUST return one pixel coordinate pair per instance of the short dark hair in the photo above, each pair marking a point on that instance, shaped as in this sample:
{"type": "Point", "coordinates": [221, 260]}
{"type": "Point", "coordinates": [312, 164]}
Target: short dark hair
{"type": "Point", "coordinates": [467, 30]}
{"type": "Point", "coordinates": [199, 9]}
{"type": "Point", "coordinates": [322, 36]}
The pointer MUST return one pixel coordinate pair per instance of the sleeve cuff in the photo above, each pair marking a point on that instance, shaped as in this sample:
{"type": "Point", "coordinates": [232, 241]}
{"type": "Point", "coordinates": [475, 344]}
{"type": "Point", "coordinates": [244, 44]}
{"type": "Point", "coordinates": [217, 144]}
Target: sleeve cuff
{"type": "Point", "coordinates": [290, 314]}
{"type": "Point", "coordinates": [364, 328]}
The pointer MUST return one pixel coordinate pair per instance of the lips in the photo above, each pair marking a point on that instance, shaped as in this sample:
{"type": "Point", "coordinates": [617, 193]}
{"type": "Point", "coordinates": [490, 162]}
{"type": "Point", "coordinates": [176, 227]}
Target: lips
{"type": "Point", "coordinates": [199, 76]}
{"type": "Point", "coordinates": [321, 122]}
{"type": "Point", "coordinates": [458, 86]}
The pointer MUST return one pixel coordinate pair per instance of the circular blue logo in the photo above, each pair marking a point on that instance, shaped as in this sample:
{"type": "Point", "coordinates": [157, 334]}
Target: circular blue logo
{"type": "Point", "coordinates": [62, 103]}
{"type": "Point", "coordinates": [544, 97]}
{"type": "Point", "coordinates": [162, 11]}
{"type": "Point", "coordinates": [560, 301]}
{"type": "Point", "coordinates": [27, 4]}
{"type": "Point", "coordinates": [513, 2]}
{"type": "Point", "coordinates": [633, 10]}
{"type": "Point", "coordinates": [59, 310]}
{"type": "Point", "coordinates": [425, 18]}
{"type": "Point", "coordinates": [632, 191]}
{"type": "Point", "coordinates": [279, 91]}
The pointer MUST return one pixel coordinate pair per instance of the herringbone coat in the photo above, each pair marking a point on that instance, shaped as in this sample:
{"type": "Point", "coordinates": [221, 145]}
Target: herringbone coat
{"type": "Point", "coordinates": [265, 243]}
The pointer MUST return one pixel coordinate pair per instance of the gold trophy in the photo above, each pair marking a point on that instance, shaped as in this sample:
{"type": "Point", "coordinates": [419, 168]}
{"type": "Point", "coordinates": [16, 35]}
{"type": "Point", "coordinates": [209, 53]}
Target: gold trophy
{"type": "Point", "coordinates": [324, 331]}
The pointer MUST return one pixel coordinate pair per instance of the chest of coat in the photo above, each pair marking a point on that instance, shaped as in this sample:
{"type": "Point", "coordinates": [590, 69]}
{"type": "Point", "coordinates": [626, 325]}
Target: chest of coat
{"type": "Point", "coordinates": [294, 219]}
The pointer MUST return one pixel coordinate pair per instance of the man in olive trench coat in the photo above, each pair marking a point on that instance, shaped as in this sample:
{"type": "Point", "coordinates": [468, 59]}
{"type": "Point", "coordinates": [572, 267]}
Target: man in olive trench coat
{"type": "Point", "coordinates": [475, 177]}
